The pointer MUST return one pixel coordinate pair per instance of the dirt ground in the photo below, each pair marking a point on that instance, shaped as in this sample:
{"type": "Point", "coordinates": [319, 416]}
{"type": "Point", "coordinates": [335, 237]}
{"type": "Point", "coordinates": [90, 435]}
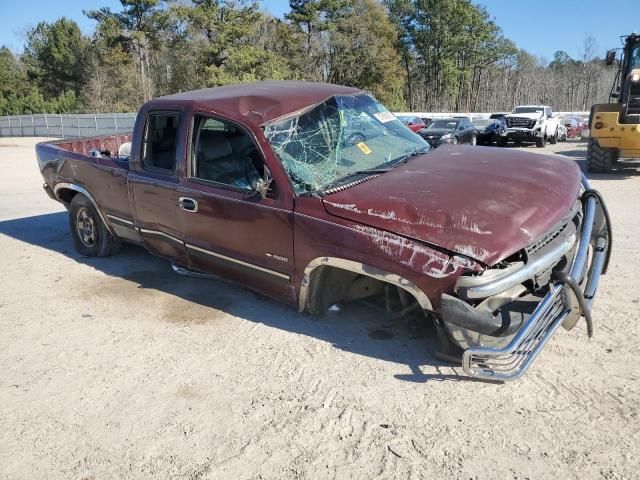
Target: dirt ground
{"type": "Point", "coordinates": [118, 368]}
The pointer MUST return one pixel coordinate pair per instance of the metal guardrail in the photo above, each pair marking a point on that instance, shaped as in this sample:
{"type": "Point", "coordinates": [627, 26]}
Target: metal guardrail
{"type": "Point", "coordinates": [66, 125]}
{"type": "Point", "coordinates": [72, 125]}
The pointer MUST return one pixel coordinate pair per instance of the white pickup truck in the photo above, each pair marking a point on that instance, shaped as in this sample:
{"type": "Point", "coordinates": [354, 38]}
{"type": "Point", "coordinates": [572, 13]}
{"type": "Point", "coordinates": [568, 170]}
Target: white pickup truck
{"type": "Point", "coordinates": [530, 123]}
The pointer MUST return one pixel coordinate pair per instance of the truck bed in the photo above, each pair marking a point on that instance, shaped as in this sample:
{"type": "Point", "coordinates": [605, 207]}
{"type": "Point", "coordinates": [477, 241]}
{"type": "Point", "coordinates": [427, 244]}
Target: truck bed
{"type": "Point", "coordinates": [107, 143]}
{"type": "Point", "coordinates": [67, 167]}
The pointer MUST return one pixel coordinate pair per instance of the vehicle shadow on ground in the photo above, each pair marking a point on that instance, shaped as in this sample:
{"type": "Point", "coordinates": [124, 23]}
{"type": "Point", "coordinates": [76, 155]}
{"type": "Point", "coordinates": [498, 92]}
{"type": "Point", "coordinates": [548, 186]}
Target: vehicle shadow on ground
{"type": "Point", "coordinates": [356, 328]}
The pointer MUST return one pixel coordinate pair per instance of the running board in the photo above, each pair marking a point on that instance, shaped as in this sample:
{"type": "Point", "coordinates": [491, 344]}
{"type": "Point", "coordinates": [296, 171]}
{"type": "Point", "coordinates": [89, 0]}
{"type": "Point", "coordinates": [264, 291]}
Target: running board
{"type": "Point", "coordinates": [189, 273]}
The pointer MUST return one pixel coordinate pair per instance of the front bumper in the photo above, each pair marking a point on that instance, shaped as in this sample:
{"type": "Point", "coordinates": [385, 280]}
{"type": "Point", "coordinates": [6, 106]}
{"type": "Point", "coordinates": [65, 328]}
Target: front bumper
{"type": "Point", "coordinates": [567, 293]}
{"type": "Point", "coordinates": [522, 133]}
{"type": "Point", "coordinates": [485, 135]}
{"type": "Point", "coordinates": [435, 142]}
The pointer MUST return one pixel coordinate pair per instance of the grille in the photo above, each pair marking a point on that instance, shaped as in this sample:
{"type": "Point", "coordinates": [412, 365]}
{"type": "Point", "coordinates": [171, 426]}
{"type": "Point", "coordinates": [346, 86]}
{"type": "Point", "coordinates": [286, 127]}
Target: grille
{"type": "Point", "coordinates": [520, 122]}
{"type": "Point", "coordinates": [430, 137]}
{"type": "Point", "coordinates": [545, 240]}
{"type": "Point", "coordinates": [567, 227]}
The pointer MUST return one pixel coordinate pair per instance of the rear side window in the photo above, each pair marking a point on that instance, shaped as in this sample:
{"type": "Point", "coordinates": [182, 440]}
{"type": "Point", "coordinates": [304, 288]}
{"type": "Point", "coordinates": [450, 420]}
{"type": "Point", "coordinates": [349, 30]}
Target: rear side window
{"type": "Point", "coordinates": [160, 141]}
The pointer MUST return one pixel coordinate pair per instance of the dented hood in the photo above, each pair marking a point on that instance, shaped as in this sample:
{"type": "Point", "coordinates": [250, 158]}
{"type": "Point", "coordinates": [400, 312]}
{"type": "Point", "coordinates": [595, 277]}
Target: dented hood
{"type": "Point", "coordinates": [485, 203]}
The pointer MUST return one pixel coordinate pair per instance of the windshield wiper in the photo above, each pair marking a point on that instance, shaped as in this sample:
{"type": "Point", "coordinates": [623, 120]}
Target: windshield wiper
{"type": "Point", "coordinates": [373, 171]}
{"type": "Point", "coordinates": [345, 179]}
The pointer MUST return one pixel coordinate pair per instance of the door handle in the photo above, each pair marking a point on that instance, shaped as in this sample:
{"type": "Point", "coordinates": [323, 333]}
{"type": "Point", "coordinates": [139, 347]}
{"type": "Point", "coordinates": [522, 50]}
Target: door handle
{"type": "Point", "coordinates": [188, 204]}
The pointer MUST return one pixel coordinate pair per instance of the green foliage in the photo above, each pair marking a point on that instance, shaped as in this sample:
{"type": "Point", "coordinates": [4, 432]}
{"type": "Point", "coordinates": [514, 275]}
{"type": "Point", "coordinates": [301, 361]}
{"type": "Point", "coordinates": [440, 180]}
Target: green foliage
{"type": "Point", "coordinates": [247, 64]}
{"type": "Point", "coordinates": [425, 55]}
{"type": "Point", "coordinates": [13, 78]}
{"type": "Point", "coordinates": [56, 57]}
{"type": "Point", "coordinates": [51, 73]}
{"type": "Point", "coordinates": [225, 39]}
{"type": "Point", "coordinates": [34, 102]}
{"type": "Point", "coordinates": [135, 26]}
{"type": "Point", "coordinates": [449, 44]}
{"type": "Point", "coordinates": [562, 60]}
{"type": "Point", "coordinates": [363, 51]}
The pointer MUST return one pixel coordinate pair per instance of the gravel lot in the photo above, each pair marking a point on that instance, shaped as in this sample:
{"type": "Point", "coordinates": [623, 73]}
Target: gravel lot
{"type": "Point", "coordinates": [116, 367]}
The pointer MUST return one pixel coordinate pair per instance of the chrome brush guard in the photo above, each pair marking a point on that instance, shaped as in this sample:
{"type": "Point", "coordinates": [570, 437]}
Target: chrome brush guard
{"type": "Point", "coordinates": [565, 293]}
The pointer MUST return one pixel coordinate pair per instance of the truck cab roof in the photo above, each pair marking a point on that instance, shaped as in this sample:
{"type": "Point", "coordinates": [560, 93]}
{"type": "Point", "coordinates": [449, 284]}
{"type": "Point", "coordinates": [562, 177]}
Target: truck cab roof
{"type": "Point", "coordinates": [259, 102]}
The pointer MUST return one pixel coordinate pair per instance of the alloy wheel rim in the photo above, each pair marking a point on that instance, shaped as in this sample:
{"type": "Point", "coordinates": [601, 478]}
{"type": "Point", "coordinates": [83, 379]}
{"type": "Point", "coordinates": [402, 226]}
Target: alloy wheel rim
{"type": "Point", "coordinates": [86, 227]}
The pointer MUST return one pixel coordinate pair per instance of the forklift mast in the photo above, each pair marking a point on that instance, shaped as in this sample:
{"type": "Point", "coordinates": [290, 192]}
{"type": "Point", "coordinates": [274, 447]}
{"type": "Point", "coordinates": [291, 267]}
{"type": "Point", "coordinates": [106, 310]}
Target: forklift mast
{"type": "Point", "coordinates": [626, 88]}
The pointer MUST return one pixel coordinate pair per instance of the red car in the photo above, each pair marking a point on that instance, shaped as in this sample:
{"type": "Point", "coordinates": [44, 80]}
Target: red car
{"type": "Point", "coordinates": [414, 123]}
{"type": "Point", "coordinates": [574, 128]}
{"type": "Point", "coordinates": [316, 194]}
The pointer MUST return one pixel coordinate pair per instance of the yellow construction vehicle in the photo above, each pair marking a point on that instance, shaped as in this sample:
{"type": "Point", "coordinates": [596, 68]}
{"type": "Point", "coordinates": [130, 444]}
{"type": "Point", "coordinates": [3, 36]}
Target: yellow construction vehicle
{"type": "Point", "coordinates": [615, 127]}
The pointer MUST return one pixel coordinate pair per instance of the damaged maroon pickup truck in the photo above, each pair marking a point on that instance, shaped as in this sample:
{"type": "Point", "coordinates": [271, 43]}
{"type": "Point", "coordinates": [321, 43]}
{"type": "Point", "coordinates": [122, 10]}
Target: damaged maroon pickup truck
{"type": "Point", "coordinates": [315, 194]}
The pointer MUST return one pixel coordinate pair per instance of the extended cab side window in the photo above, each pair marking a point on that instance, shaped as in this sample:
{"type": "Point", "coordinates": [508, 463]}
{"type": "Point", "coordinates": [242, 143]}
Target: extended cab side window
{"type": "Point", "coordinates": [225, 154]}
{"type": "Point", "coordinates": [160, 141]}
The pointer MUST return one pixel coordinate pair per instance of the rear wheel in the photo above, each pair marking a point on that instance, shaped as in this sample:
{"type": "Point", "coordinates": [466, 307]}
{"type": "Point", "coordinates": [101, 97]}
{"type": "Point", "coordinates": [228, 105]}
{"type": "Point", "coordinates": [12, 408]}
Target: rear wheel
{"type": "Point", "coordinates": [541, 142]}
{"type": "Point", "coordinates": [600, 160]}
{"type": "Point", "coordinates": [502, 141]}
{"type": "Point", "coordinates": [91, 237]}
{"type": "Point", "coordinates": [553, 140]}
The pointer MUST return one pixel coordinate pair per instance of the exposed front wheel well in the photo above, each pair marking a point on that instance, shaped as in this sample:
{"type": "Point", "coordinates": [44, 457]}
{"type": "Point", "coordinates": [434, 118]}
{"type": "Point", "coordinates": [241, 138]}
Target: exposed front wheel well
{"type": "Point", "coordinates": [65, 195]}
{"type": "Point", "coordinates": [330, 285]}
{"type": "Point", "coordinates": [329, 280]}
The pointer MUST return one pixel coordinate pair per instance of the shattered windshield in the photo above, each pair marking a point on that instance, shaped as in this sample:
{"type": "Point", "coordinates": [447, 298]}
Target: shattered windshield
{"type": "Point", "coordinates": [343, 137]}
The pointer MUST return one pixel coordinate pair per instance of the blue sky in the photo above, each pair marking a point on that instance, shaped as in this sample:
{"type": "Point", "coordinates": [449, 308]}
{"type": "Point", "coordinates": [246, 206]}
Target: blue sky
{"type": "Point", "coordinates": [540, 27]}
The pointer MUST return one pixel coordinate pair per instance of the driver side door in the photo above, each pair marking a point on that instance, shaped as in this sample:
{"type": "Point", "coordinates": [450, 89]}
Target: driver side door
{"type": "Point", "coordinates": [229, 229]}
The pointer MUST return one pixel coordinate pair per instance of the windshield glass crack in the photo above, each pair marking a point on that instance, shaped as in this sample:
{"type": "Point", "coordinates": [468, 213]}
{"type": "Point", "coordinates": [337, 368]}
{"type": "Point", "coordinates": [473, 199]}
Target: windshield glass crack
{"type": "Point", "coordinates": [339, 139]}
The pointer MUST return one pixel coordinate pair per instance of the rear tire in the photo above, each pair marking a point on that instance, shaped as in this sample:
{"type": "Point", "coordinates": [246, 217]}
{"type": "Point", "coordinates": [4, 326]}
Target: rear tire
{"type": "Point", "coordinates": [600, 160]}
{"type": "Point", "coordinates": [91, 237]}
{"type": "Point", "coordinates": [541, 142]}
{"type": "Point", "coordinates": [502, 142]}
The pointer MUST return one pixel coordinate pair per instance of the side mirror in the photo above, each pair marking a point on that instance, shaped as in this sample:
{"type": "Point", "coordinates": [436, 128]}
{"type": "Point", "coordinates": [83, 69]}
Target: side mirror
{"type": "Point", "coordinates": [610, 57]}
{"type": "Point", "coordinates": [262, 185]}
